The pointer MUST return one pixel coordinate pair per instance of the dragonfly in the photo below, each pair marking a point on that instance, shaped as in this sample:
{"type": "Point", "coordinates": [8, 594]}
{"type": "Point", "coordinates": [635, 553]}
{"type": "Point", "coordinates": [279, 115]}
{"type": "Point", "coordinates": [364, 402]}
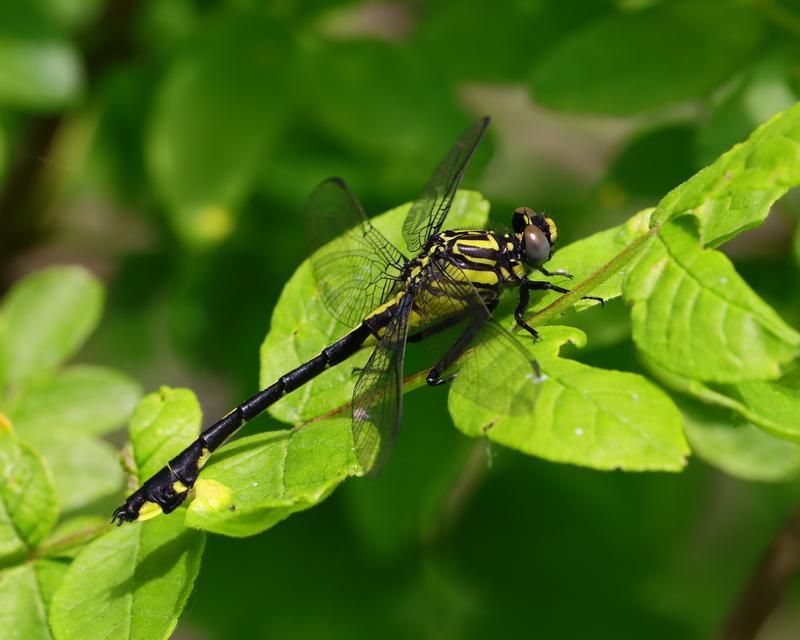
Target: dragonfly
{"type": "Point", "coordinates": [389, 298]}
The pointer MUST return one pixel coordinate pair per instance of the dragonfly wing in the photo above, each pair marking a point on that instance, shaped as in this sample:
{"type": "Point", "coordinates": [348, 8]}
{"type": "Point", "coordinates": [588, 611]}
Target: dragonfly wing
{"type": "Point", "coordinates": [378, 394]}
{"type": "Point", "coordinates": [427, 214]}
{"type": "Point", "coordinates": [355, 266]}
{"type": "Point", "coordinates": [496, 371]}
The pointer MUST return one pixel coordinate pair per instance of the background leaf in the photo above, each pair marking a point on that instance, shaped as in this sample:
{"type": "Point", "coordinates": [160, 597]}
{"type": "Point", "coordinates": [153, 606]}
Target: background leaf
{"type": "Point", "coordinates": [641, 60]}
{"type": "Point", "coordinates": [212, 124]}
{"type": "Point", "coordinates": [84, 469]}
{"type": "Point", "coordinates": [28, 507]}
{"type": "Point", "coordinates": [48, 316]}
{"type": "Point", "coordinates": [41, 70]}
{"type": "Point", "coordinates": [25, 595]}
{"type": "Point", "coordinates": [740, 448]}
{"type": "Point", "coordinates": [80, 400]}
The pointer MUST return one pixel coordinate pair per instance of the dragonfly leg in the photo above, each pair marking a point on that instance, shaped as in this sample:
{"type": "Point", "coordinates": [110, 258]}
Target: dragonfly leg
{"type": "Point", "coordinates": [549, 286]}
{"type": "Point", "coordinates": [435, 375]}
{"type": "Point", "coordinates": [557, 272]}
{"type": "Point", "coordinates": [519, 312]}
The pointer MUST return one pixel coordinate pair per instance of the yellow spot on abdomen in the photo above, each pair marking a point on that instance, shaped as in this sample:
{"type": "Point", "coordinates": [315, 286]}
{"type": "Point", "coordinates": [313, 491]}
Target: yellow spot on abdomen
{"type": "Point", "coordinates": [149, 510]}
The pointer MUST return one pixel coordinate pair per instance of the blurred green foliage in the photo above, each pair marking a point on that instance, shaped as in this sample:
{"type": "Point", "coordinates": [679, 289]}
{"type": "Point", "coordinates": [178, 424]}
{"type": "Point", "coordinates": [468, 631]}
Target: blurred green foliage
{"type": "Point", "coordinates": [169, 147]}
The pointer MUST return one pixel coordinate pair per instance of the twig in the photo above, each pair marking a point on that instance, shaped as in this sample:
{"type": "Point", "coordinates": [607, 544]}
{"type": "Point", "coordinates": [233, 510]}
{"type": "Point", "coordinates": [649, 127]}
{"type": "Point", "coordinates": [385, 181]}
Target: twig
{"type": "Point", "coordinates": [766, 584]}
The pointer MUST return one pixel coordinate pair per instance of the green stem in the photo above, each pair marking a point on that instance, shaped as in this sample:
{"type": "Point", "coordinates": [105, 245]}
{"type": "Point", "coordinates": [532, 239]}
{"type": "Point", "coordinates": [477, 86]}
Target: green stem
{"type": "Point", "coordinates": [60, 545]}
{"type": "Point", "coordinates": [589, 284]}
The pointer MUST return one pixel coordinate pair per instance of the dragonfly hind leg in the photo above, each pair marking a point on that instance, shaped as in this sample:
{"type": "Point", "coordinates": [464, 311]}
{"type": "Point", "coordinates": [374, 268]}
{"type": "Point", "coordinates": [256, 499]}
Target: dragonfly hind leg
{"type": "Point", "coordinates": [435, 377]}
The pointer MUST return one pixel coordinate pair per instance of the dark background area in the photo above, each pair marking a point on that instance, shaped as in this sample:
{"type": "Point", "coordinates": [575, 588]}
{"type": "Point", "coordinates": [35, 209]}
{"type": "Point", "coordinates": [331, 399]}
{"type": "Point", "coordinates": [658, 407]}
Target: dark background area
{"type": "Point", "coordinates": [169, 146]}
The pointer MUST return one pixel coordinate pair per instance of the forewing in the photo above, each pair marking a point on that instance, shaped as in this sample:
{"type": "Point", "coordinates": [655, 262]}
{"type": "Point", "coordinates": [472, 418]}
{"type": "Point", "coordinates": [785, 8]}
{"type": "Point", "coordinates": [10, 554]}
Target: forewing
{"type": "Point", "coordinates": [355, 266]}
{"type": "Point", "coordinates": [496, 370]}
{"type": "Point", "coordinates": [430, 209]}
{"type": "Point", "coordinates": [378, 395]}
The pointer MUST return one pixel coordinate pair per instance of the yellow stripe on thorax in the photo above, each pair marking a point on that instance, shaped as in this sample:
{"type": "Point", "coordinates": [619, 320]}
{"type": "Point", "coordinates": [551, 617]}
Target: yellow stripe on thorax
{"type": "Point", "coordinates": [488, 242]}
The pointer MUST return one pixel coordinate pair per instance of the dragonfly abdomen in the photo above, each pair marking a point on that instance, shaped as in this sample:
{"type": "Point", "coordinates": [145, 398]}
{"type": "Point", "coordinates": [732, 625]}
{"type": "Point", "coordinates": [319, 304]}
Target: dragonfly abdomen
{"type": "Point", "coordinates": [168, 488]}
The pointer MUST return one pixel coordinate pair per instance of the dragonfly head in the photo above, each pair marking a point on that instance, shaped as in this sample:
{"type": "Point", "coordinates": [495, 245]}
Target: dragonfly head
{"type": "Point", "coordinates": [536, 235]}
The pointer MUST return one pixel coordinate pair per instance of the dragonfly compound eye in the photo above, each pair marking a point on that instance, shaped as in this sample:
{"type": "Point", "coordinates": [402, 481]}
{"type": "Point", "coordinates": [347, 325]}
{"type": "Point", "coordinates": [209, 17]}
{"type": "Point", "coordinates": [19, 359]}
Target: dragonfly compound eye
{"type": "Point", "coordinates": [537, 246]}
{"type": "Point", "coordinates": [521, 218]}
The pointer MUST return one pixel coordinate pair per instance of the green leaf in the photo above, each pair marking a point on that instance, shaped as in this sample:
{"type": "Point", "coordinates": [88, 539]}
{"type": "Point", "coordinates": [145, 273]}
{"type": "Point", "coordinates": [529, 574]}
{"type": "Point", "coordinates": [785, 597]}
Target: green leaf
{"type": "Point", "coordinates": [637, 61]}
{"type": "Point", "coordinates": [211, 125]}
{"type": "Point", "coordinates": [81, 400]}
{"type": "Point", "coordinates": [693, 314]}
{"type": "Point", "coordinates": [376, 99]}
{"type": "Point", "coordinates": [739, 448]}
{"type": "Point", "coordinates": [131, 583]}
{"type": "Point", "coordinates": [511, 35]}
{"type": "Point", "coordinates": [583, 415]}
{"type": "Point", "coordinates": [84, 469]}
{"type": "Point", "coordinates": [163, 424]}
{"type": "Point", "coordinates": [41, 70]}
{"type": "Point", "coordinates": [257, 481]}
{"type": "Point", "coordinates": [48, 316]}
{"type": "Point", "coordinates": [25, 595]}
{"type": "Point", "coordinates": [302, 326]}
{"type": "Point", "coordinates": [28, 507]}
{"type": "Point", "coordinates": [736, 192]}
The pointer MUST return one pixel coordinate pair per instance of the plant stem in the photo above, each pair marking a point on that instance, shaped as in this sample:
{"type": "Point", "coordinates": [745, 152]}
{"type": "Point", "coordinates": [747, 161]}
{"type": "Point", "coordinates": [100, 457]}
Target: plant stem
{"type": "Point", "coordinates": [55, 547]}
{"type": "Point", "coordinates": [587, 285]}
{"type": "Point", "coordinates": [767, 583]}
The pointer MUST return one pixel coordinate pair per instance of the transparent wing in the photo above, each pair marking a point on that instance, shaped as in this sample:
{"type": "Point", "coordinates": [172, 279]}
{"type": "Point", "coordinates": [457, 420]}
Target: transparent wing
{"type": "Point", "coordinates": [430, 209]}
{"type": "Point", "coordinates": [495, 370]}
{"type": "Point", "coordinates": [355, 266]}
{"type": "Point", "coordinates": [378, 394]}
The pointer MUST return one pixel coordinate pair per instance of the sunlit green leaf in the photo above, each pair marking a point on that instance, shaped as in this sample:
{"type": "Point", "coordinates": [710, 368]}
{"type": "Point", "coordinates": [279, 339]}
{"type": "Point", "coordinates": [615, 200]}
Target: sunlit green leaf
{"type": "Point", "coordinates": [641, 60]}
{"type": "Point", "coordinates": [257, 481]}
{"type": "Point", "coordinates": [164, 423]}
{"type": "Point", "coordinates": [28, 506]}
{"type": "Point", "coordinates": [79, 400]}
{"type": "Point", "coordinates": [302, 326]}
{"type": "Point", "coordinates": [736, 192]}
{"type": "Point", "coordinates": [131, 583]}
{"type": "Point", "coordinates": [695, 316]}
{"type": "Point", "coordinates": [584, 415]}
{"type": "Point", "coordinates": [48, 315]}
